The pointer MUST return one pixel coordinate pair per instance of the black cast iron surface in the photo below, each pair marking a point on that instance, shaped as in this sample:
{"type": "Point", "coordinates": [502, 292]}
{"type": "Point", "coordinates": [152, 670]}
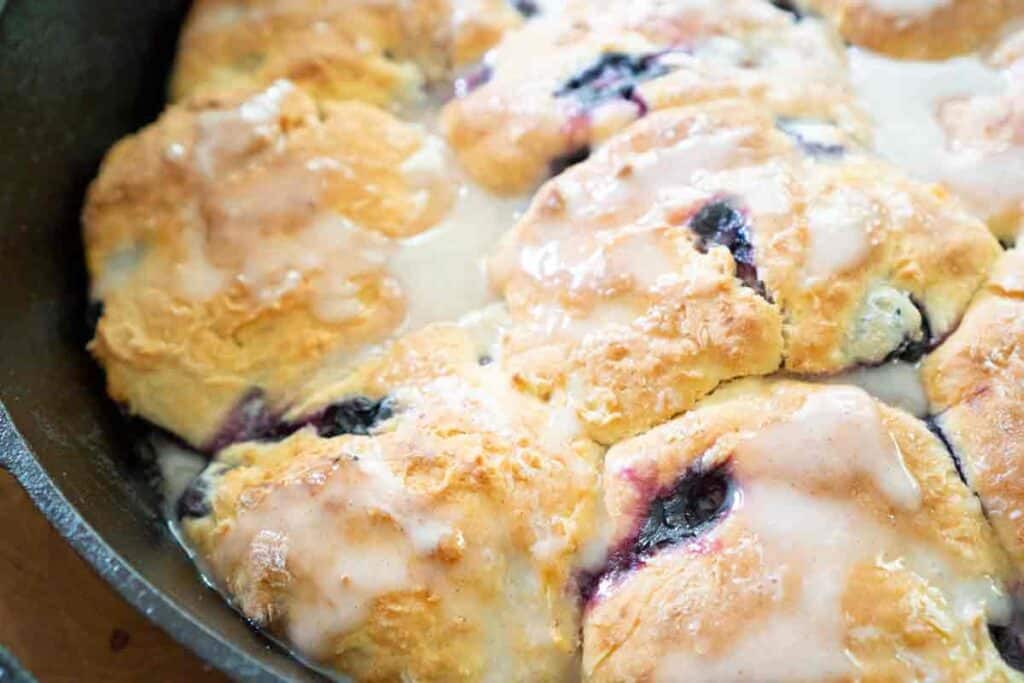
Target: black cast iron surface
{"type": "Point", "coordinates": [75, 75]}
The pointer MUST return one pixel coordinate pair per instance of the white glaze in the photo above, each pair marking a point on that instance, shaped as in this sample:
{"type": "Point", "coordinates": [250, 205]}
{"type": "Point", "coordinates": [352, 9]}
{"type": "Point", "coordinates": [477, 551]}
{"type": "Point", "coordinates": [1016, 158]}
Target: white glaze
{"type": "Point", "coordinates": [906, 100]}
{"type": "Point", "coordinates": [897, 383]}
{"type": "Point", "coordinates": [839, 230]}
{"type": "Point", "coordinates": [287, 534]}
{"type": "Point", "coordinates": [225, 135]}
{"type": "Point", "coordinates": [442, 272]}
{"type": "Point", "coordinates": [837, 434]}
{"type": "Point", "coordinates": [274, 238]}
{"type": "Point", "coordinates": [907, 8]}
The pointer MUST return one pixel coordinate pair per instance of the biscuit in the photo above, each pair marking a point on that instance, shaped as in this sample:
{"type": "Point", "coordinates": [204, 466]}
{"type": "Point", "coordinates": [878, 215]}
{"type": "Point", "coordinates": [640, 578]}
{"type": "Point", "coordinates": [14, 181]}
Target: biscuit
{"type": "Point", "coordinates": [975, 384]}
{"type": "Point", "coordinates": [241, 242]}
{"type": "Point", "coordinates": [436, 538]}
{"type": "Point", "coordinates": [784, 531]}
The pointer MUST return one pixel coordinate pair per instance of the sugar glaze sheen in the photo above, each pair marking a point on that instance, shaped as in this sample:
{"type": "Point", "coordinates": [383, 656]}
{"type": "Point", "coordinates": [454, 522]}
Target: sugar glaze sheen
{"type": "Point", "coordinates": [498, 321]}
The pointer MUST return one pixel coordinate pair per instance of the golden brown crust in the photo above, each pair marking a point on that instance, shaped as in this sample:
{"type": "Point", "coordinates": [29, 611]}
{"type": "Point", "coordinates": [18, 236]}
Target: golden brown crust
{"type": "Point", "coordinates": [975, 382]}
{"type": "Point", "coordinates": [528, 116]}
{"type": "Point", "coordinates": [241, 241]}
{"type": "Point", "coordinates": [925, 30]}
{"type": "Point", "coordinates": [708, 601]}
{"type": "Point", "coordinates": [447, 539]}
{"type": "Point", "coordinates": [619, 300]}
{"type": "Point", "coordinates": [370, 50]}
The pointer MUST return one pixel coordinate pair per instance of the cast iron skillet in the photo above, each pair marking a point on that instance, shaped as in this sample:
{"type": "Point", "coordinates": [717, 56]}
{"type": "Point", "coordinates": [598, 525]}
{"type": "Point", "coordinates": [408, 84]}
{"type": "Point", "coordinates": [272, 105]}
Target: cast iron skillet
{"type": "Point", "coordinates": [75, 75]}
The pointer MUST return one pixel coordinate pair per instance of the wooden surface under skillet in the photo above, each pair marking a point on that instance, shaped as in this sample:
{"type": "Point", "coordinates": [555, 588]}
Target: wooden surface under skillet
{"type": "Point", "coordinates": [63, 622]}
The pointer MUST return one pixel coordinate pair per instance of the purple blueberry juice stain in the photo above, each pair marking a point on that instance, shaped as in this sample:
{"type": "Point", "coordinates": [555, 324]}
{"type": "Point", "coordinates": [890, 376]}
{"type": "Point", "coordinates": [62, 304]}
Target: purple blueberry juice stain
{"type": "Point", "coordinates": [720, 223]}
{"type": "Point", "coordinates": [681, 514]}
{"type": "Point", "coordinates": [250, 419]}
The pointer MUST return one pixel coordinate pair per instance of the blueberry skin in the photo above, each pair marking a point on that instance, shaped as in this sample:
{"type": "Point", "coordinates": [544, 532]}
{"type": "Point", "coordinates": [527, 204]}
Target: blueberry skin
{"type": "Point", "coordinates": [790, 7]}
{"type": "Point", "coordinates": [527, 8]}
{"type": "Point", "coordinates": [720, 223]}
{"type": "Point", "coordinates": [1009, 639]}
{"type": "Point", "coordinates": [690, 508]}
{"type": "Point", "coordinates": [697, 502]}
{"type": "Point", "coordinates": [614, 76]}
{"type": "Point", "coordinates": [357, 415]}
{"type": "Point", "coordinates": [564, 162]}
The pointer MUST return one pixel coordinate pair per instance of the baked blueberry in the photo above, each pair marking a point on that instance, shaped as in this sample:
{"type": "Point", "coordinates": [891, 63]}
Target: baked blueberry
{"type": "Point", "coordinates": [721, 223]}
{"type": "Point", "coordinates": [1008, 640]}
{"type": "Point", "coordinates": [356, 415]}
{"type": "Point", "coordinates": [561, 163]}
{"type": "Point", "coordinates": [789, 6]}
{"type": "Point", "coordinates": [473, 79]}
{"type": "Point", "coordinates": [933, 427]}
{"type": "Point", "coordinates": [614, 75]}
{"type": "Point", "coordinates": [697, 501]}
{"type": "Point", "coordinates": [528, 8]}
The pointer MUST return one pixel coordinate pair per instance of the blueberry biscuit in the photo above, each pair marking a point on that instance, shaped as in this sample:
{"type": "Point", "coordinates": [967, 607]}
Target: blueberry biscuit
{"type": "Point", "coordinates": [435, 539]}
{"type": "Point", "coordinates": [975, 383]}
{"type": "Point", "coordinates": [378, 51]}
{"type": "Point", "coordinates": [783, 531]}
{"type": "Point", "coordinates": [715, 242]}
{"type": "Point", "coordinates": [240, 242]}
{"type": "Point", "coordinates": [559, 86]}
